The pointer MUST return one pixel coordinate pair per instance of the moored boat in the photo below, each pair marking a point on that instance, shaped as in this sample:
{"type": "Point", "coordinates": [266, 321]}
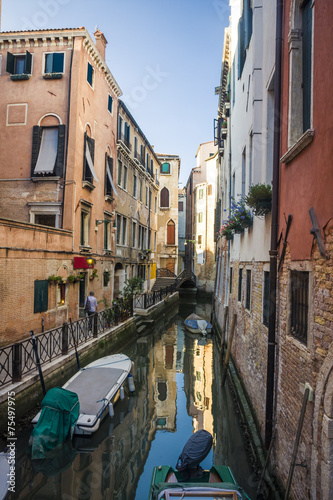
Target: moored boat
{"type": "Point", "coordinates": [189, 480]}
{"type": "Point", "coordinates": [196, 324]}
{"type": "Point", "coordinates": [83, 401]}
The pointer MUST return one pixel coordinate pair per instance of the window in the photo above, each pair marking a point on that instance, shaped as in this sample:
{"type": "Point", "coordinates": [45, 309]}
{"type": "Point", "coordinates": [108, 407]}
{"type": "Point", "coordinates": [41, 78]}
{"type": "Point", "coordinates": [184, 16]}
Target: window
{"type": "Point", "coordinates": [164, 203]}
{"type": "Point", "coordinates": [240, 280]}
{"type": "Point", "coordinates": [155, 204]}
{"type": "Point", "coordinates": [200, 217]}
{"type": "Point", "coordinates": [110, 104]}
{"type": "Point", "coordinates": [200, 194]}
{"type": "Point", "coordinates": [134, 185]}
{"type": "Point", "coordinates": [107, 233]}
{"type": "Point", "coordinates": [118, 228]}
{"type": "Point", "coordinates": [125, 178]}
{"type": "Point", "coordinates": [243, 172]}
{"type": "Point", "coordinates": [41, 296]}
{"type": "Point", "coordinates": [124, 235]}
{"type": "Point", "coordinates": [48, 147]}
{"type": "Point", "coordinates": [54, 63]}
{"type": "Point", "coordinates": [209, 190]}
{"type": "Point", "coordinates": [108, 184]}
{"type": "Point", "coordinates": [140, 190]}
{"type": "Point", "coordinates": [88, 160]}
{"type": "Point", "coordinates": [61, 294]}
{"type": "Point", "coordinates": [90, 75]}
{"type": "Point", "coordinates": [150, 195]}
{"type": "Point", "coordinates": [45, 213]}
{"type": "Point", "coordinates": [230, 281]}
{"type": "Point", "coordinates": [248, 289]}
{"type": "Point", "coordinates": [265, 308]}
{"type": "Point", "coordinates": [147, 161]}
{"type": "Point", "coordinates": [244, 34]}
{"type": "Point", "coordinates": [171, 233]}
{"type": "Point", "coordinates": [85, 225]}
{"type": "Point", "coordinates": [147, 195]}
{"type": "Point", "coordinates": [299, 304]}
{"type": "Point", "coordinates": [165, 168]}
{"type": "Point", "coordinates": [120, 167]}
{"type": "Point", "coordinates": [199, 239]}
{"type": "Point", "coordinates": [135, 147]}
{"type": "Point", "coordinates": [134, 234]}
{"type": "Point", "coordinates": [19, 64]}
{"type": "Point", "coordinates": [180, 206]}
{"type": "Point", "coordinates": [45, 220]}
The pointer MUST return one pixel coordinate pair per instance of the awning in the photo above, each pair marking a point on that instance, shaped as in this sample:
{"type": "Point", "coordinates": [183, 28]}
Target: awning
{"type": "Point", "coordinates": [90, 163]}
{"type": "Point", "coordinates": [111, 180]}
{"type": "Point", "coordinates": [47, 152]}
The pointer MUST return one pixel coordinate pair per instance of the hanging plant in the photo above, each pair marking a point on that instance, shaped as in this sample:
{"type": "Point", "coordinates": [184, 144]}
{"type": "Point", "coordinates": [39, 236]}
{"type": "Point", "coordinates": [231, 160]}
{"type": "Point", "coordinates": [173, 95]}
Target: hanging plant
{"type": "Point", "coordinates": [106, 277]}
{"type": "Point", "coordinates": [260, 198]}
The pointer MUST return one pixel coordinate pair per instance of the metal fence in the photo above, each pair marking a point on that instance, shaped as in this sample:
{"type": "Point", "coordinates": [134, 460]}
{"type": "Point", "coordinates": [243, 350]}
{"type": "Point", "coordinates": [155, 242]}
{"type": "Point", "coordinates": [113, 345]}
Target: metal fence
{"type": "Point", "coordinates": [17, 360]}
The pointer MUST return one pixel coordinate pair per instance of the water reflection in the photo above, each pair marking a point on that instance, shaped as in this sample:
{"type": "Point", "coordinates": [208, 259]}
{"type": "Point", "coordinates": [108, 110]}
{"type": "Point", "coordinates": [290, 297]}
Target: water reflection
{"type": "Point", "coordinates": [176, 394]}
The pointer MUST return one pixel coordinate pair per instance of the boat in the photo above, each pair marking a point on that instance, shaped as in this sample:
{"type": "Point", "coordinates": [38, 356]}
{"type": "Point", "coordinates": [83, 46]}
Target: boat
{"type": "Point", "coordinates": [189, 480]}
{"type": "Point", "coordinates": [196, 324]}
{"type": "Point", "coordinates": [79, 406]}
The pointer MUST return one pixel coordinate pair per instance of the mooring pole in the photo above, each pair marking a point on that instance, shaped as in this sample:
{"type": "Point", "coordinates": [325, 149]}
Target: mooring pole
{"type": "Point", "coordinates": [298, 436]}
{"type": "Point", "coordinates": [226, 361]}
{"type": "Point", "coordinates": [37, 361]}
{"type": "Point", "coordinates": [74, 342]}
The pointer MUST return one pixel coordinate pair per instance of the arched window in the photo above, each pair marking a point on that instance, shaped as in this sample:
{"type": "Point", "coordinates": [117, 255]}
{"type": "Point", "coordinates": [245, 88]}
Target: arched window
{"type": "Point", "coordinates": [164, 198]}
{"type": "Point", "coordinates": [171, 233]}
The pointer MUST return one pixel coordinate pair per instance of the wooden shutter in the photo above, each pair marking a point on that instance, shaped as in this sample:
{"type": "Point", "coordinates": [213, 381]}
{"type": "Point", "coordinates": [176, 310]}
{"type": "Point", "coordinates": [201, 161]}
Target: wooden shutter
{"type": "Point", "coordinates": [165, 198]}
{"type": "Point", "coordinates": [27, 63]}
{"type": "Point", "coordinates": [306, 63]}
{"type": "Point", "coordinates": [41, 296]}
{"type": "Point", "coordinates": [10, 66]}
{"type": "Point", "coordinates": [171, 233]}
{"type": "Point", "coordinates": [57, 62]}
{"type": "Point", "coordinates": [36, 138]}
{"type": "Point", "coordinates": [59, 165]}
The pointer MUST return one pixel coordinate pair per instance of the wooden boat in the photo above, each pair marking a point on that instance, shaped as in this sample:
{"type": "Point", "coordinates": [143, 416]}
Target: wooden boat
{"type": "Point", "coordinates": [196, 324]}
{"type": "Point", "coordinates": [190, 481]}
{"type": "Point", "coordinates": [97, 386]}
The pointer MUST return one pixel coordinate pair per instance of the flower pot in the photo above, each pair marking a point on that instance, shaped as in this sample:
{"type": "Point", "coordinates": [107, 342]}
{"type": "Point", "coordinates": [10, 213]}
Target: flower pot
{"type": "Point", "coordinates": [239, 230]}
{"type": "Point", "coordinates": [263, 207]}
{"type": "Point", "coordinates": [229, 236]}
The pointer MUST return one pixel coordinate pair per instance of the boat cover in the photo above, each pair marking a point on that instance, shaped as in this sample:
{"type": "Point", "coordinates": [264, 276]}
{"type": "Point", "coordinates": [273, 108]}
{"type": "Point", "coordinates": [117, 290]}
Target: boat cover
{"type": "Point", "coordinates": [195, 450]}
{"type": "Point", "coordinates": [60, 411]}
{"type": "Point", "coordinates": [197, 323]}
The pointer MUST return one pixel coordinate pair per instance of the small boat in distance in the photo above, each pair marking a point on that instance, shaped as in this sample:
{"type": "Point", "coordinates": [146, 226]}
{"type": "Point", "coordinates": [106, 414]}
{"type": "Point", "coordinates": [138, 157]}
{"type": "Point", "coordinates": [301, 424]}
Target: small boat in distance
{"type": "Point", "coordinates": [196, 324]}
{"type": "Point", "coordinates": [91, 393]}
{"type": "Point", "coordinates": [189, 480]}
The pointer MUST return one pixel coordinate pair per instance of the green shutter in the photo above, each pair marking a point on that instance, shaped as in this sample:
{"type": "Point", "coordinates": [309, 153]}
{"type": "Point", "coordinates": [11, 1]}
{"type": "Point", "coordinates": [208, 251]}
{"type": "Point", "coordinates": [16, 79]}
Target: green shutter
{"type": "Point", "coordinates": [10, 63]}
{"type": "Point", "coordinates": [84, 156]}
{"type": "Point", "coordinates": [41, 296]}
{"type": "Point", "coordinates": [58, 62]}
{"type": "Point", "coordinates": [306, 63]}
{"type": "Point", "coordinates": [27, 63]}
{"type": "Point", "coordinates": [247, 23]}
{"type": "Point", "coordinates": [59, 166]}
{"type": "Point", "coordinates": [36, 137]}
{"type": "Point", "coordinates": [90, 74]}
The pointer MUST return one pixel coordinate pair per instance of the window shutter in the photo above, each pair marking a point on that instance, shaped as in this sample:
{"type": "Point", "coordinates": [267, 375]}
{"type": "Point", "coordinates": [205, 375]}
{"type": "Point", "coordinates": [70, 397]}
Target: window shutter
{"type": "Point", "coordinates": [41, 296]}
{"type": "Point", "coordinates": [58, 63]}
{"type": "Point", "coordinates": [165, 198]}
{"type": "Point", "coordinates": [10, 63]}
{"type": "Point", "coordinates": [171, 233]}
{"type": "Point", "coordinates": [36, 136]}
{"type": "Point", "coordinates": [59, 166]}
{"type": "Point", "coordinates": [27, 63]}
{"type": "Point", "coordinates": [84, 157]}
{"type": "Point", "coordinates": [247, 23]}
{"type": "Point", "coordinates": [306, 63]}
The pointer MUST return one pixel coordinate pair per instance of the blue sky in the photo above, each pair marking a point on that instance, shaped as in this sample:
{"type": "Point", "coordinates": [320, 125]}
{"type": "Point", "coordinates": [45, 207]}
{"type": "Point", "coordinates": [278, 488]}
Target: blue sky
{"type": "Point", "coordinates": [164, 54]}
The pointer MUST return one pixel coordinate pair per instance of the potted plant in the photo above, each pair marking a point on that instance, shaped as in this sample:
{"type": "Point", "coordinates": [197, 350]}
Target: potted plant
{"type": "Point", "coordinates": [54, 279]}
{"type": "Point", "coordinates": [259, 198]}
{"type": "Point", "coordinates": [242, 216]}
{"type": "Point", "coordinates": [72, 278]}
{"type": "Point", "coordinates": [94, 274]}
{"type": "Point", "coordinates": [106, 277]}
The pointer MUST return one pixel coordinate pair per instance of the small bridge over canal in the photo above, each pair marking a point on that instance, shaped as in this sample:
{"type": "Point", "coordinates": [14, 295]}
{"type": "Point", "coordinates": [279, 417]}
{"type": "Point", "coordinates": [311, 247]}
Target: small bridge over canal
{"type": "Point", "coordinates": [166, 278]}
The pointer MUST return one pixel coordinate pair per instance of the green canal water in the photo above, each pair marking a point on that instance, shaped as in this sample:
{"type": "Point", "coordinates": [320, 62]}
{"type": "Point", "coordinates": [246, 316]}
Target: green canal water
{"type": "Point", "coordinates": [177, 392]}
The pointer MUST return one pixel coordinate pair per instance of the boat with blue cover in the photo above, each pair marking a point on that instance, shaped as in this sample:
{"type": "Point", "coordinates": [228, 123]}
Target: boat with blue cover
{"type": "Point", "coordinates": [196, 324]}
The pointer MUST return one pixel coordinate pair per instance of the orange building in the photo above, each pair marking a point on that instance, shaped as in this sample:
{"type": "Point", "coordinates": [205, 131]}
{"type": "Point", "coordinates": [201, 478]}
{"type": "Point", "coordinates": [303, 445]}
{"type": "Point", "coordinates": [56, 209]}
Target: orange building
{"type": "Point", "coordinates": [58, 150]}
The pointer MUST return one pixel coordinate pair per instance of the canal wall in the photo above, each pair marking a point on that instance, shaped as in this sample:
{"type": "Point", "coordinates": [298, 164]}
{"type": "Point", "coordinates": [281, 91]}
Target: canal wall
{"type": "Point", "coordinates": [28, 392]}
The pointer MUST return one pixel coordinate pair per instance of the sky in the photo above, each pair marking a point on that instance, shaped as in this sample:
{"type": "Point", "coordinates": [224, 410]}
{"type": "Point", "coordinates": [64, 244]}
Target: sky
{"type": "Point", "coordinates": [164, 54]}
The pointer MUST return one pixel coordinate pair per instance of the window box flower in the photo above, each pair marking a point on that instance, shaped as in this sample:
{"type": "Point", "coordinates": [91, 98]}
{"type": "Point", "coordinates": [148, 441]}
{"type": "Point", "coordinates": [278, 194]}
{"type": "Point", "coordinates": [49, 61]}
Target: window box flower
{"type": "Point", "coordinates": [52, 76]}
{"type": "Point", "coordinates": [260, 199]}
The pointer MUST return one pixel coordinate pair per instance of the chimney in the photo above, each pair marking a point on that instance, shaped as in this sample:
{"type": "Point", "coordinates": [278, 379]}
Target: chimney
{"type": "Point", "coordinates": [101, 42]}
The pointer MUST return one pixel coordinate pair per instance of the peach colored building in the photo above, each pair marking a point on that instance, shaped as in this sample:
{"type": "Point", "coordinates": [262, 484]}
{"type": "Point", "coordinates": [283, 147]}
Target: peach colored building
{"type": "Point", "coordinates": [58, 150]}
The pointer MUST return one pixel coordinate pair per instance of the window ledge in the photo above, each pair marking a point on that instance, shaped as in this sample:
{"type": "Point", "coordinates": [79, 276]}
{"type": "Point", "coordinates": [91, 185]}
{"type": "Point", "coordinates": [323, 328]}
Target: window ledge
{"type": "Point", "coordinates": [164, 208]}
{"type": "Point", "coordinates": [85, 249]}
{"type": "Point", "coordinates": [88, 185]}
{"type": "Point", "coordinates": [108, 197]}
{"type": "Point", "coordinates": [53, 76]}
{"type": "Point", "coordinates": [301, 144]}
{"type": "Point", "coordinates": [45, 178]}
{"type": "Point", "coordinates": [24, 76]}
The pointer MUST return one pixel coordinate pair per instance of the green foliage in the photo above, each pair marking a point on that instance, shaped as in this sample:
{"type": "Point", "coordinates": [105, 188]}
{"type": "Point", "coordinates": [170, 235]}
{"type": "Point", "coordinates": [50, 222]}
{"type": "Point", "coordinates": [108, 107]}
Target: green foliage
{"type": "Point", "coordinates": [132, 287]}
{"type": "Point", "coordinates": [55, 279]}
{"type": "Point", "coordinates": [257, 193]}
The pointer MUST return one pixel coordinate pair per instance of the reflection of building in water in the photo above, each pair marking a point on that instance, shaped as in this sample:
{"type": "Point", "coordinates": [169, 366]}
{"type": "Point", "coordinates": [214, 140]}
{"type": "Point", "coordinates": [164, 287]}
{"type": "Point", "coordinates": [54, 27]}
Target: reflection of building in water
{"type": "Point", "coordinates": [165, 393]}
{"type": "Point", "coordinates": [198, 370]}
{"type": "Point", "coordinates": [180, 351]}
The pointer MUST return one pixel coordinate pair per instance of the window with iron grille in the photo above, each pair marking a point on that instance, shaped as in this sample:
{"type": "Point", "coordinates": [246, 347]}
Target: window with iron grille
{"type": "Point", "coordinates": [248, 289]}
{"type": "Point", "coordinates": [299, 305]}
{"type": "Point", "coordinates": [240, 280]}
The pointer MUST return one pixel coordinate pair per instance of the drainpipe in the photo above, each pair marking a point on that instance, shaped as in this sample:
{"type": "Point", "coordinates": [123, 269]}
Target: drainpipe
{"type": "Point", "coordinates": [270, 381]}
{"type": "Point", "coordinates": [67, 132]}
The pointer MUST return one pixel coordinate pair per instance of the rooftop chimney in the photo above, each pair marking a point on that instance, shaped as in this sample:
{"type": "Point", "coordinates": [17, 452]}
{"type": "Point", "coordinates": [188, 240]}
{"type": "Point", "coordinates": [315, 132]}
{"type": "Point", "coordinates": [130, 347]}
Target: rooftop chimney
{"type": "Point", "coordinates": [101, 42]}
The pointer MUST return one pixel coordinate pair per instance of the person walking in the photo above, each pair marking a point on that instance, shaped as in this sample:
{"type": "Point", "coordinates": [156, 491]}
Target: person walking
{"type": "Point", "coordinates": [90, 307]}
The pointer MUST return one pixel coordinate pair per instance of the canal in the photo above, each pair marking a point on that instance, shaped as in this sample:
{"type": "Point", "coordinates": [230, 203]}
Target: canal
{"type": "Point", "coordinates": [178, 391]}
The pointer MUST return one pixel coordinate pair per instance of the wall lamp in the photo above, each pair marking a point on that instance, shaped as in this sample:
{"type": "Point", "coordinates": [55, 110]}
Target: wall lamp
{"type": "Point", "coordinates": [90, 261]}
{"type": "Point", "coordinates": [98, 222]}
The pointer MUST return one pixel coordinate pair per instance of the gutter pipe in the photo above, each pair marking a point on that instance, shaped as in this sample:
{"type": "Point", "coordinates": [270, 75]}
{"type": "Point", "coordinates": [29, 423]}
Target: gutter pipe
{"type": "Point", "coordinates": [270, 381]}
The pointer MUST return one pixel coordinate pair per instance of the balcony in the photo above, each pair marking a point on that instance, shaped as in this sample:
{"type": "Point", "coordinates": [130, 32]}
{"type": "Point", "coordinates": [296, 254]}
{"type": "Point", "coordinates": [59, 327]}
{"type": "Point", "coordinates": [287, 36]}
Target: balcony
{"type": "Point", "coordinates": [122, 140]}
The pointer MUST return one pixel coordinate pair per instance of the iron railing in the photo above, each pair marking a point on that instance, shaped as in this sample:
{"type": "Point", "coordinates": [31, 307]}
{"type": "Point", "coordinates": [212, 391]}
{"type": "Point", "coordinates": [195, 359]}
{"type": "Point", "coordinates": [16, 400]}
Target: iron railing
{"type": "Point", "coordinates": [145, 300]}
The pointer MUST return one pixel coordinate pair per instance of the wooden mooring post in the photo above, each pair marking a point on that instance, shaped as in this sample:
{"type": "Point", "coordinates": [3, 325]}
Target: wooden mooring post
{"type": "Point", "coordinates": [227, 356]}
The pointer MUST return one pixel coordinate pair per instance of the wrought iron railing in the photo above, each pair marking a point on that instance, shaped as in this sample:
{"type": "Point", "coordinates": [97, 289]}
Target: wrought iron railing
{"type": "Point", "coordinates": [17, 360]}
{"type": "Point", "coordinates": [146, 300]}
